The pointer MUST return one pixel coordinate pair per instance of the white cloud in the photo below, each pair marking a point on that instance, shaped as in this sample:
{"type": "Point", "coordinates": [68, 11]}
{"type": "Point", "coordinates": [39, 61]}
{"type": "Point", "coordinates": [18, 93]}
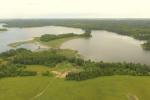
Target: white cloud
{"type": "Point", "coordinates": [74, 8]}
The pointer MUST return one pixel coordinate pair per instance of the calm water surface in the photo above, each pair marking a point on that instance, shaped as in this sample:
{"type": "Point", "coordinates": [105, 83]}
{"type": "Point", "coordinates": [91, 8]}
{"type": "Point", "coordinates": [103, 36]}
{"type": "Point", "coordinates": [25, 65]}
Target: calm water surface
{"type": "Point", "coordinates": [22, 34]}
{"type": "Point", "coordinates": [103, 45]}
{"type": "Point", "coordinates": [110, 47]}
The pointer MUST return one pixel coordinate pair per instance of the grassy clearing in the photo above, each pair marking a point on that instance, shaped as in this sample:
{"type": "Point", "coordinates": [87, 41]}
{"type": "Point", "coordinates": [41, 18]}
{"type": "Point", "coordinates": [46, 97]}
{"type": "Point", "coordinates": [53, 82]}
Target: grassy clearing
{"type": "Point", "coordinates": [69, 53]}
{"type": "Point", "coordinates": [61, 68]}
{"type": "Point", "coordinates": [37, 68]}
{"type": "Point", "coordinates": [65, 67]}
{"type": "Point", "coordinates": [2, 61]}
{"type": "Point", "coordinates": [21, 88]}
{"type": "Point", "coordinates": [103, 88]}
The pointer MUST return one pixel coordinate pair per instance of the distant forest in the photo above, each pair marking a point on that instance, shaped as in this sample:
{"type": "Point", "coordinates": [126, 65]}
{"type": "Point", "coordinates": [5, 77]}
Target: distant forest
{"type": "Point", "coordinates": [136, 28]}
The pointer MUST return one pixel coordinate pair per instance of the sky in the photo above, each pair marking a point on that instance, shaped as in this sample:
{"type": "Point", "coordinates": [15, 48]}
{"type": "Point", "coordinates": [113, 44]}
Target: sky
{"type": "Point", "coordinates": [74, 9]}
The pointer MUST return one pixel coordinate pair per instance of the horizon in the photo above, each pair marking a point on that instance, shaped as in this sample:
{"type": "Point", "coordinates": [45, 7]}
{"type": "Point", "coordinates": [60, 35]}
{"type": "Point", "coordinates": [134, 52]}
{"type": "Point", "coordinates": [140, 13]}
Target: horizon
{"type": "Point", "coordinates": [74, 18]}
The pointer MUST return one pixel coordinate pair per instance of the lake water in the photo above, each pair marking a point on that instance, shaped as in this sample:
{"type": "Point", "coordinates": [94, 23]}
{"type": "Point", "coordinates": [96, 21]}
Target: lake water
{"type": "Point", "coordinates": [103, 45]}
{"type": "Point", "coordinates": [23, 34]}
{"type": "Point", "coordinates": [110, 47]}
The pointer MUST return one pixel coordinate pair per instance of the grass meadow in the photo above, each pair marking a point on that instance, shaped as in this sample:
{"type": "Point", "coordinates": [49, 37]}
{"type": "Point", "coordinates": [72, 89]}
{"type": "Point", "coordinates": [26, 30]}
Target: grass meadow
{"type": "Point", "coordinates": [51, 88]}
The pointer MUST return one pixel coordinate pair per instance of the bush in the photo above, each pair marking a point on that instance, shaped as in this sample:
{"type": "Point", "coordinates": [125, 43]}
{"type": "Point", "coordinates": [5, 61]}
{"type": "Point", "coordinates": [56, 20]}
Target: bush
{"type": "Point", "coordinates": [47, 37]}
{"type": "Point", "coordinates": [12, 70]}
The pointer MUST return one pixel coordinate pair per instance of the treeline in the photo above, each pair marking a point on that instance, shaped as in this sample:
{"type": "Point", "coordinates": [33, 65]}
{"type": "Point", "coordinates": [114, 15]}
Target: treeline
{"type": "Point", "coordinates": [13, 70]}
{"type": "Point", "coordinates": [47, 58]}
{"type": "Point", "coordinates": [49, 37]}
{"type": "Point", "coordinates": [10, 69]}
{"type": "Point", "coordinates": [89, 68]}
{"type": "Point", "coordinates": [137, 28]}
{"type": "Point", "coordinates": [27, 57]}
{"type": "Point", "coordinates": [93, 70]}
{"type": "Point", "coordinates": [146, 45]}
{"type": "Point", "coordinates": [87, 33]}
{"type": "Point", "coordinates": [13, 52]}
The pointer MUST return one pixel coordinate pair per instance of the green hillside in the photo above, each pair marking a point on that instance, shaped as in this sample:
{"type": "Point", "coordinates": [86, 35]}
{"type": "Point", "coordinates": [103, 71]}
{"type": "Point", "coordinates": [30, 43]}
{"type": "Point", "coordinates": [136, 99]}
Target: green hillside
{"type": "Point", "coordinates": [48, 88]}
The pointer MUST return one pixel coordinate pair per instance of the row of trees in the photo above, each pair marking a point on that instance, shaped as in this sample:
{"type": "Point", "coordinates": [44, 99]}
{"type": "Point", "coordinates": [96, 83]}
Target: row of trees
{"type": "Point", "coordinates": [89, 68]}
{"type": "Point", "coordinates": [137, 28]}
{"type": "Point", "coordinates": [49, 37]}
{"type": "Point", "coordinates": [93, 69]}
{"type": "Point", "coordinates": [9, 69]}
{"type": "Point", "coordinates": [12, 70]}
{"type": "Point", "coordinates": [12, 52]}
{"type": "Point", "coordinates": [42, 58]}
{"type": "Point", "coordinates": [140, 28]}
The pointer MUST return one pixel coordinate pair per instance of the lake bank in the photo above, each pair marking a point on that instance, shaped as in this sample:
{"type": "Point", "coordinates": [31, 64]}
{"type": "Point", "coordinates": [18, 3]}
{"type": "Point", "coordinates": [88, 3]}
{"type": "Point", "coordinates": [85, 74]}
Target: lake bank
{"type": "Point", "coordinates": [2, 28]}
{"type": "Point", "coordinates": [52, 44]}
{"type": "Point", "coordinates": [53, 41]}
{"type": "Point", "coordinates": [13, 35]}
{"type": "Point", "coordinates": [103, 46]}
{"type": "Point", "coordinates": [109, 47]}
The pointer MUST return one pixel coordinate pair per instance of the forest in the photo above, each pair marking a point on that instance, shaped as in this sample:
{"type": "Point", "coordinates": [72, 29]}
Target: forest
{"type": "Point", "coordinates": [20, 58]}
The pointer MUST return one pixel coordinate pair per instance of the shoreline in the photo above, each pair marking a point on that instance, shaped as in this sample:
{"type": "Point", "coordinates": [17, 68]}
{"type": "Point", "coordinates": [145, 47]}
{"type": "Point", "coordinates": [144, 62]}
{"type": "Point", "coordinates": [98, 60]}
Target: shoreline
{"type": "Point", "coordinates": [52, 44]}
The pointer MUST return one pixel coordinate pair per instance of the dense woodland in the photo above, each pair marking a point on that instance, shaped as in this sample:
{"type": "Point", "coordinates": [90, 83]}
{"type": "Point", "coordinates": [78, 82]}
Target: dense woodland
{"type": "Point", "coordinates": [92, 70]}
{"type": "Point", "coordinates": [137, 28]}
{"type": "Point", "coordinates": [18, 59]}
{"type": "Point", "coordinates": [12, 70]}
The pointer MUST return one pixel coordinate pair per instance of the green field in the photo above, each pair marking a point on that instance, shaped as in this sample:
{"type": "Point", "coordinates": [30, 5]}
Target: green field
{"type": "Point", "coordinates": [50, 88]}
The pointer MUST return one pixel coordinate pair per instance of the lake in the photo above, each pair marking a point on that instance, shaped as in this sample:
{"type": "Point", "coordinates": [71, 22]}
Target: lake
{"type": "Point", "coordinates": [103, 45]}
{"type": "Point", "coordinates": [23, 34]}
{"type": "Point", "coordinates": [110, 47]}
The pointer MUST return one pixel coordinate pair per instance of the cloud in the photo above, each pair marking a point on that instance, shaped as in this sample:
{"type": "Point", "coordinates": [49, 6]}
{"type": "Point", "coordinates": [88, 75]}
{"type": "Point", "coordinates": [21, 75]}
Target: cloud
{"type": "Point", "coordinates": [74, 8]}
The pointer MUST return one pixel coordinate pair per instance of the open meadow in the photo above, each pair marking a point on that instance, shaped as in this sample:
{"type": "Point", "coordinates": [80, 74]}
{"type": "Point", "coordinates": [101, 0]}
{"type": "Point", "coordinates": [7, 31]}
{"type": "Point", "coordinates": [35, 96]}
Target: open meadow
{"type": "Point", "coordinates": [51, 88]}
